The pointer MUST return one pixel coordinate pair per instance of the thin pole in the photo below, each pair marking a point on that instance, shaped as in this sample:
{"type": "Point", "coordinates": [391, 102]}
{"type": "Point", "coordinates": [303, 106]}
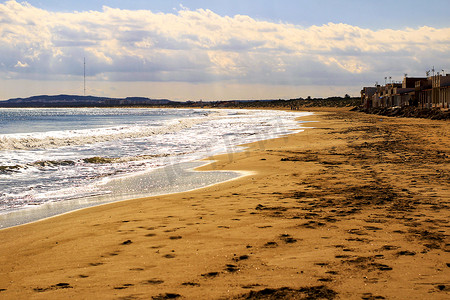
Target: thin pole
{"type": "Point", "coordinates": [84, 76]}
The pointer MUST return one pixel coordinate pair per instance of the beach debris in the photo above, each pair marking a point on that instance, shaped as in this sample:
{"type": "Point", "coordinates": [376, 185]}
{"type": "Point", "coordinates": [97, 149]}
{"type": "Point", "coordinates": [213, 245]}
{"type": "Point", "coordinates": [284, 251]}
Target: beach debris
{"type": "Point", "coordinates": [259, 207]}
{"type": "Point", "coordinates": [277, 208]}
{"type": "Point", "coordinates": [231, 268]}
{"type": "Point", "coordinates": [325, 279]}
{"type": "Point", "coordinates": [356, 231]}
{"type": "Point", "coordinates": [381, 267]}
{"type": "Point", "coordinates": [99, 160]}
{"type": "Point", "coordinates": [242, 257]}
{"type": "Point", "coordinates": [61, 285]}
{"type": "Point", "coordinates": [332, 272]}
{"type": "Point", "coordinates": [406, 252]}
{"type": "Point", "coordinates": [370, 296]}
{"type": "Point", "coordinates": [166, 296]}
{"type": "Point", "coordinates": [190, 283]}
{"type": "Point", "coordinates": [124, 286]}
{"type": "Point", "coordinates": [210, 274]}
{"type": "Point", "coordinates": [250, 286]}
{"type": "Point", "coordinates": [153, 281]}
{"type": "Point", "coordinates": [372, 228]}
{"type": "Point", "coordinates": [287, 239]}
{"type": "Point", "coordinates": [315, 292]}
{"type": "Point", "coordinates": [271, 245]}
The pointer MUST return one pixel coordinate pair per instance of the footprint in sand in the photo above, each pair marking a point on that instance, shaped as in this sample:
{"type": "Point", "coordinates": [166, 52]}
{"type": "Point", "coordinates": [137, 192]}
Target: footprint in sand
{"type": "Point", "coordinates": [153, 281]}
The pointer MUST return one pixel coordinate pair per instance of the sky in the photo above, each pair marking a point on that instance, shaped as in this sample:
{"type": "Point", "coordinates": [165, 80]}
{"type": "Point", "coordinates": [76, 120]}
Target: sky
{"type": "Point", "coordinates": [217, 50]}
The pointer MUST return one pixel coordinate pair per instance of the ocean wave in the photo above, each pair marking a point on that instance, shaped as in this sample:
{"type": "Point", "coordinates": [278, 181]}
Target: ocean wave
{"type": "Point", "coordinates": [10, 169]}
{"type": "Point", "coordinates": [94, 160]}
{"type": "Point", "coordinates": [58, 139]}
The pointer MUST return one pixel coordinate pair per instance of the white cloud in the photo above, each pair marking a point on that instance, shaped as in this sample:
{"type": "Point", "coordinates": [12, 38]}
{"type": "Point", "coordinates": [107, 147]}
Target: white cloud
{"type": "Point", "coordinates": [21, 65]}
{"type": "Point", "coordinates": [201, 46]}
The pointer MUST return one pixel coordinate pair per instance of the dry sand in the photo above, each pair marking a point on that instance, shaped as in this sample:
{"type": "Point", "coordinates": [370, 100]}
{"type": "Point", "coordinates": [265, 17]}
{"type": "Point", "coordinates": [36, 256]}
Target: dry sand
{"type": "Point", "coordinates": [356, 208]}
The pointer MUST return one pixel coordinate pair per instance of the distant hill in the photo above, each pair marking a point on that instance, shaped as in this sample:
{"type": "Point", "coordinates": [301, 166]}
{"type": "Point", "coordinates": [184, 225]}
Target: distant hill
{"type": "Point", "coordinates": [92, 101]}
{"type": "Point", "coordinates": [81, 101]}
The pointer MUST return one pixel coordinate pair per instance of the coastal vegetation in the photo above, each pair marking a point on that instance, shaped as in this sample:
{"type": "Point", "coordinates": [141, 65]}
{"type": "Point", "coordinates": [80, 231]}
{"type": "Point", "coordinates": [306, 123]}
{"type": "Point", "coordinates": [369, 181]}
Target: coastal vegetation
{"type": "Point", "coordinates": [92, 101]}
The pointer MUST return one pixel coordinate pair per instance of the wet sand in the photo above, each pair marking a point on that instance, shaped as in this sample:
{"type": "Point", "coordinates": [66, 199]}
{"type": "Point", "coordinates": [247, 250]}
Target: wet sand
{"type": "Point", "coordinates": [355, 208]}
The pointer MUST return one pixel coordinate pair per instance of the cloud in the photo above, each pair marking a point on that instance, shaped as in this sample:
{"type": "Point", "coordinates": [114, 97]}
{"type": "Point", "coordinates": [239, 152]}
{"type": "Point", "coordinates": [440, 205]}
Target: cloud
{"type": "Point", "coordinates": [201, 46]}
{"type": "Point", "coordinates": [21, 65]}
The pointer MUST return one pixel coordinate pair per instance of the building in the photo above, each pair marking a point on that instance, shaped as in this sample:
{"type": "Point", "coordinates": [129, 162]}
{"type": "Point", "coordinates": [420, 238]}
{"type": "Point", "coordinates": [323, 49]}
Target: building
{"type": "Point", "coordinates": [440, 91]}
{"type": "Point", "coordinates": [367, 95]}
{"type": "Point", "coordinates": [423, 92]}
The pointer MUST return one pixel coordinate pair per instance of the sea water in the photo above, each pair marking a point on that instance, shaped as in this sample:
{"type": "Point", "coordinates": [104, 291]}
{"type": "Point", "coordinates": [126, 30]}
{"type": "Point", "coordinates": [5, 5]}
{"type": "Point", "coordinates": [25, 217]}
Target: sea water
{"type": "Point", "coordinates": [56, 160]}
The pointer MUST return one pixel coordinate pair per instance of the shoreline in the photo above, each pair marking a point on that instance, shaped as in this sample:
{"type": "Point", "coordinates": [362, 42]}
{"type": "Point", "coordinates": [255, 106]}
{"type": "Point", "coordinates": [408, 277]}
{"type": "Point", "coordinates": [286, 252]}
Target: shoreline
{"type": "Point", "coordinates": [353, 208]}
{"type": "Point", "coordinates": [78, 204]}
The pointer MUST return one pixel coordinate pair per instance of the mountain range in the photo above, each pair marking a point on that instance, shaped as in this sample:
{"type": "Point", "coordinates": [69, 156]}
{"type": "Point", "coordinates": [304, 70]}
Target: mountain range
{"type": "Point", "coordinates": [80, 101]}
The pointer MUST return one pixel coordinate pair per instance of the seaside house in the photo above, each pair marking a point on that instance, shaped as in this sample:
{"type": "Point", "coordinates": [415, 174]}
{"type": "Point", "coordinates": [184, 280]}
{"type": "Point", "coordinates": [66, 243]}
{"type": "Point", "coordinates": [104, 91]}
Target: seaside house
{"type": "Point", "coordinates": [389, 93]}
{"type": "Point", "coordinates": [367, 94]}
{"type": "Point", "coordinates": [423, 92]}
{"type": "Point", "coordinates": [403, 96]}
{"type": "Point", "coordinates": [440, 93]}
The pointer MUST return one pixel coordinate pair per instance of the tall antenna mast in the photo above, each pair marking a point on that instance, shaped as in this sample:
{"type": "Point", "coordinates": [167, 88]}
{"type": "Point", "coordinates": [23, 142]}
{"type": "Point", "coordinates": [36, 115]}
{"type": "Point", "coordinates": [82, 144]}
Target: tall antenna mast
{"type": "Point", "coordinates": [84, 76]}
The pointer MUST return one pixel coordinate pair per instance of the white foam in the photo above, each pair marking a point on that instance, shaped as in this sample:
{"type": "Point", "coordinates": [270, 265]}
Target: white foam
{"type": "Point", "coordinates": [54, 139]}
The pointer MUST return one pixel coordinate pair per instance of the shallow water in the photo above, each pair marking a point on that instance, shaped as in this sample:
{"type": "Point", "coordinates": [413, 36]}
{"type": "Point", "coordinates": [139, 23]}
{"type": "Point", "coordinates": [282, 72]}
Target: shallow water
{"type": "Point", "coordinates": [171, 179]}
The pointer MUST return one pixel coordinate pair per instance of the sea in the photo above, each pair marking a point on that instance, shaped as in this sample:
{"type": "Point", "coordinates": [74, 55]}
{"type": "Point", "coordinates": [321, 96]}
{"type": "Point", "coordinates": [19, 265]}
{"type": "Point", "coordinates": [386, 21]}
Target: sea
{"type": "Point", "coordinates": [56, 160]}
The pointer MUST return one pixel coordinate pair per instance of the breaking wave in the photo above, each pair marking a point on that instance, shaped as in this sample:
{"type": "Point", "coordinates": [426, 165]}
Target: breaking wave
{"type": "Point", "coordinates": [57, 139]}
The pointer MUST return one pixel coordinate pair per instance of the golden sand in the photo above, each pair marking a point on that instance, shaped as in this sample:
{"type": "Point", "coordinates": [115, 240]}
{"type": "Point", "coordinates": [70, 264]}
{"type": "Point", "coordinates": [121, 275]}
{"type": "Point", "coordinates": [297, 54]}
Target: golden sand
{"type": "Point", "coordinates": [355, 208]}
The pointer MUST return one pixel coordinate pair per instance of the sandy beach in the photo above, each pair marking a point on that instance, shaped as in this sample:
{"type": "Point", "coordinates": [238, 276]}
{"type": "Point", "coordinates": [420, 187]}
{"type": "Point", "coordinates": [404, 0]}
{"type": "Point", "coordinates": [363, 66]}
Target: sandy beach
{"type": "Point", "coordinates": [356, 207]}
